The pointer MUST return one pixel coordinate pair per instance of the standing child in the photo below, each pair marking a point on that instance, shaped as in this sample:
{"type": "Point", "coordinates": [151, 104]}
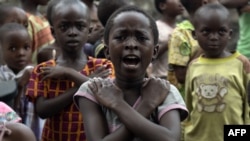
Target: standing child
{"type": "Point", "coordinates": [182, 46]}
{"type": "Point", "coordinates": [104, 10]}
{"type": "Point", "coordinates": [10, 13]}
{"type": "Point", "coordinates": [216, 82]}
{"type": "Point", "coordinates": [39, 28]}
{"type": "Point", "coordinates": [169, 10]}
{"type": "Point", "coordinates": [16, 56]}
{"type": "Point", "coordinates": [54, 82]}
{"type": "Point", "coordinates": [131, 107]}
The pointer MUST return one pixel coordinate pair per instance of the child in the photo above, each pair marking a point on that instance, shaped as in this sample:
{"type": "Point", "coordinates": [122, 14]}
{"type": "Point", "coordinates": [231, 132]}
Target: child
{"type": "Point", "coordinates": [17, 56]}
{"type": "Point", "coordinates": [17, 132]}
{"type": "Point", "coordinates": [216, 82]}
{"type": "Point", "coordinates": [104, 10]}
{"type": "Point", "coordinates": [169, 10]}
{"type": "Point", "coordinates": [39, 28]}
{"type": "Point", "coordinates": [96, 29]}
{"type": "Point", "coordinates": [53, 83]}
{"type": "Point", "coordinates": [182, 47]}
{"type": "Point", "coordinates": [10, 127]}
{"type": "Point", "coordinates": [10, 13]}
{"type": "Point", "coordinates": [131, 107]}
{"type": "Point", "coordinates": [243, 8]}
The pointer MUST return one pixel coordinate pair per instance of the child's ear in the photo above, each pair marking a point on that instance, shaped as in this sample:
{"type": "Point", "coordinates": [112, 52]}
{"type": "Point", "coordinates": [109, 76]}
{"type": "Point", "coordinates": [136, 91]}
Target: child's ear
{"type": "Point", "coordinates": [162, 6]}
{"type": "Point", "coordinates": [194, 35]}
{"type": "Point", "coordinates": [155, 52]}
{"type": "Point", "coordinates": [106, 52]}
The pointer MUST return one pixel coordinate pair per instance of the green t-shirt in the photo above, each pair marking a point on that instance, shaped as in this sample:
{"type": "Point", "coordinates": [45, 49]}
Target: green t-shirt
{"type": "Point", "coordinates": [244, 38]}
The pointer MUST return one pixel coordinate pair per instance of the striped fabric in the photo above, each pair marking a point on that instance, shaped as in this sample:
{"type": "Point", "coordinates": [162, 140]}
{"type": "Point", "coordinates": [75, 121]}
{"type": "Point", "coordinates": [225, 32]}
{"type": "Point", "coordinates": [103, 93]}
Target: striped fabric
{"type": "Point", "coordinates": [68, 124]}
{"type": "Point", "coordinates": [39, 30]}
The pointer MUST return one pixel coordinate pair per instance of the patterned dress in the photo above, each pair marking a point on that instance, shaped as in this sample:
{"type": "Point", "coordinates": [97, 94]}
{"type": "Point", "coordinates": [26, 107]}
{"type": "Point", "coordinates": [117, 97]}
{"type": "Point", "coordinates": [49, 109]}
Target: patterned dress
{"type": "Point", "coordinates": [67, 125]}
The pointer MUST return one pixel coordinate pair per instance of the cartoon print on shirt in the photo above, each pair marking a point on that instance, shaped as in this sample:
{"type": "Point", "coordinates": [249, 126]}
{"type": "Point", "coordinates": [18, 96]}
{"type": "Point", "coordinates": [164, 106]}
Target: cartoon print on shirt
{"type": "Point", "coordinates": [211, 98]}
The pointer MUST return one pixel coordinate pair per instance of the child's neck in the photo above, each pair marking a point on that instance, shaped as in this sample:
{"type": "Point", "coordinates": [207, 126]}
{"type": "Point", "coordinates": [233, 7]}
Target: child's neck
{"type": "Point", "coordinates": [170, 20]}
{"type": "Point", "coordinates": [129, 84]}
{"type": "Point", "coordinates": [30, 7]}
{"type": "Point", "coordinates": [76, 61]}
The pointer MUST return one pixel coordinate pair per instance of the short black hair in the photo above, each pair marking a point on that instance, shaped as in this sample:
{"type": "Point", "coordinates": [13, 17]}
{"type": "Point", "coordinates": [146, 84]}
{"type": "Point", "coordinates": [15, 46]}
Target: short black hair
{"type": "Point", "coordinates": [157, 5]}
{"type": "Point", "coordinates": [126, 9]}
{"type": "Point", "coordinates": [53, 3]}
{"type": "Point", "coordinates": [106, 7]}
{"type": "Point", "coordinates": [210, 7]}
{"type": "Point", "coordinates": [9, 27]}
{"type": "Point", "coordinates": [4, 11]}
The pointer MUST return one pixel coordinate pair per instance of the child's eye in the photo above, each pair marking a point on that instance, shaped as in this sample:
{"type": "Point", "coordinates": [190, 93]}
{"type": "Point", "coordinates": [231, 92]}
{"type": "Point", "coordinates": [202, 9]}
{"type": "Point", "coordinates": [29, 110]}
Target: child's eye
{"type": "Point", "coordinates": [222, 31]}
{"type": "Point", "coordinates": [80, 26]}
{"type": "Point", "coordinates": [120, 38]}
{"type": "Point", "coordinates": [142, 38]}
{"type": "Point", "coordinates": [12, 49]}
{"type": "Point", "coordinates": [205, 32]}
{"type": "Point", "coordinates": [64, 27]}
{"type": "Point", "coordinates": [27, 47]}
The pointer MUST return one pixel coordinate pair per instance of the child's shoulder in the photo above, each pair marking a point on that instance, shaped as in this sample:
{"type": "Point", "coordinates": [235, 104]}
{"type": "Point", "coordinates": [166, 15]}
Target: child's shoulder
{"type": "Point", "coordinates": [44, 64]}
{"type": "Point", "coordinates": [185, 25]}
{"type": "Point", "coordinates": [245, 61]}
{"type": "Point", "coordinates": [183, 30]}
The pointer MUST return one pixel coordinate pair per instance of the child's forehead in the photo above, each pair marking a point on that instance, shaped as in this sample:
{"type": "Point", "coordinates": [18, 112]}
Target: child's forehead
{"type": "Point", "coordinates": [209, 14]}
{"type": "Point", "coordinates": [131, 16]}
{"type": "Point", "coordinates": [71, 9]}
{"type": "Point", "coordinates": [14, 34]}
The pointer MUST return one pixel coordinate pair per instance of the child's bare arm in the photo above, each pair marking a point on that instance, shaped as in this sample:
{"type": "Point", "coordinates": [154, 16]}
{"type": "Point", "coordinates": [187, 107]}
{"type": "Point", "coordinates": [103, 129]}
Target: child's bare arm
{"type": "Point", "coordinates": [109, 94]}
{"type": "Point", "coordinates": [95, 124]}
{"type": "Point", "coordinates": [134, 120]}
{"type": "Point", "coordinates": [19, 132]}
{"type": "Point", "coordinates": [49, 107]}
{"type": "Point", "coordinates": [153, 95]}
{"type": "Point", "coordinates": [71, 74]}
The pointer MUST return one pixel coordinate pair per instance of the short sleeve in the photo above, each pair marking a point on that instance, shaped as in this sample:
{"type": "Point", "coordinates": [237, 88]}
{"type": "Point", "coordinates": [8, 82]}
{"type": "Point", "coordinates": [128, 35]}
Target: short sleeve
{"type": "Point", "coordinates": [36, 87]}
{"type": "Point", "coordinates": [173, 101]}
{"type": "Point", "coordinates": [84, 91]}
{"type": "Point", "coordinates": [179, 47]}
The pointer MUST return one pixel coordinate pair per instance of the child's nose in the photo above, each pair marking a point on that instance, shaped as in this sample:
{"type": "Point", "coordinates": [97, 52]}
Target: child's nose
{"type": "Point", "coordinates": [213, 36]}
{"type": "Point", "coordinates": [72, 31]}
{"type": "Point", "coordinates": [22, 51]}
{"type": "Point", "coordinates": [131, 44]}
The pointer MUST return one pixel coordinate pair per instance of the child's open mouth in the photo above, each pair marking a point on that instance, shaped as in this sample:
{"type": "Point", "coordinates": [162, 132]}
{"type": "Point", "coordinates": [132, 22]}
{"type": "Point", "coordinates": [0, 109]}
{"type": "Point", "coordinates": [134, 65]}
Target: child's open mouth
{"type": "Point", "coordinates": [131, 61]}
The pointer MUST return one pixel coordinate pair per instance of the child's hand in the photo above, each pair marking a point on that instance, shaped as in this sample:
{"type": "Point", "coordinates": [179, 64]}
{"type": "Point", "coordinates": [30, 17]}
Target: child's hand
{"type": "Point", "coordinates": [101, 71]}
{"type": "Point", "coordinates": [154, 92]}
{"type": "Point", "coordinates": [56, 72]}
{"type": "Point", "coordinates": [24, 79]}
{"type": "Point", "coordinates": [106, 92]}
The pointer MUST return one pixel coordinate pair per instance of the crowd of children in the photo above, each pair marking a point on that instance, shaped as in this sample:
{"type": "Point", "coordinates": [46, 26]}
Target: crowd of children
{"type": "Point", "coordinates": [110, 71]}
